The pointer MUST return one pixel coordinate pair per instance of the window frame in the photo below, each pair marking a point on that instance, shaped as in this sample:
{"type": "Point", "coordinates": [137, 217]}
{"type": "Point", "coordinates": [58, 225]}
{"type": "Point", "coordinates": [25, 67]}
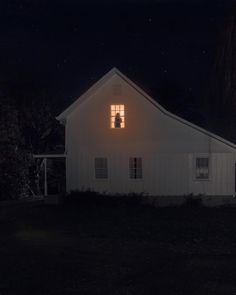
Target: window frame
{"type": "Point", "coordinates": [111, 115]}
{"type": "Point", "coordinates": [137, 168]}
{"type": "Point", "coordinates": [201, 156]}
{"type": "Point", "coordinates": [101, 169]}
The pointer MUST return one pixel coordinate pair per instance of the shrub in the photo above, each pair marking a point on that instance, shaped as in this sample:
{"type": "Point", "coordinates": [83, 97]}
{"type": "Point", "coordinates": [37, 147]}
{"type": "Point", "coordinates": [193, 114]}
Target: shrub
{"type": "Point", "coordinates": [193, 201]}
{"type": "Point", "coordinates": [92, 198]}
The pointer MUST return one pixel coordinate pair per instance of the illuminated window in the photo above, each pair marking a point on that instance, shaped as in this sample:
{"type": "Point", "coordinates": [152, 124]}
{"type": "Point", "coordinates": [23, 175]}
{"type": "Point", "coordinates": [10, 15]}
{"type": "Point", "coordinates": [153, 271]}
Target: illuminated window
{"type": "Point", "coordinates": [101, 170]}
{"type": "Point", "coordinates": [202, 168]}
{"type": "Point", "coordinates": [117, 116]}
{"type": "Point", "coordinates": [135, 168]}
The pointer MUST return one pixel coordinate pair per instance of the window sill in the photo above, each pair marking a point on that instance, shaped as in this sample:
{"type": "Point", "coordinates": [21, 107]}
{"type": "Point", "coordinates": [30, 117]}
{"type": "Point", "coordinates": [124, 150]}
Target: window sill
{"type": "Point", "coordinates": [100, 179]}
{"type": "Point", "coordinates": [136, 179]}
{"type": "Point", "coordinates": [200, 180]}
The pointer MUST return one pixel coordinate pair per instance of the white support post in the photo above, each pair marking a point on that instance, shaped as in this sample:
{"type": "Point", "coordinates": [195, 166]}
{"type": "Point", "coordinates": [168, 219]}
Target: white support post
{"type": "Point", "coordinates": [45, 178]}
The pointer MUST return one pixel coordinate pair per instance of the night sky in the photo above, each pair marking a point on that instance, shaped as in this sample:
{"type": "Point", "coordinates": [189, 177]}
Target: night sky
{"type": "Point", "coordinates": [62, 47]}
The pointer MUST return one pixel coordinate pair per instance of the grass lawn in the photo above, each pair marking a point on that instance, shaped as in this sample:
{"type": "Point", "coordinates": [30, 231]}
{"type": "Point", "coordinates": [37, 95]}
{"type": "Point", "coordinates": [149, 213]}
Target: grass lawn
{"type": "Point", "coordinates": [97, 246]}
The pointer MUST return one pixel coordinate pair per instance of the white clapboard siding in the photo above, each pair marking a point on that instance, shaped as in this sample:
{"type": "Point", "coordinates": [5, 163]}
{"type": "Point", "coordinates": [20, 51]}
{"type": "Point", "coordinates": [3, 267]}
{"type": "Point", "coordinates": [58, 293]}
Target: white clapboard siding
{"type": "Point", "coordinates": [167, 144]}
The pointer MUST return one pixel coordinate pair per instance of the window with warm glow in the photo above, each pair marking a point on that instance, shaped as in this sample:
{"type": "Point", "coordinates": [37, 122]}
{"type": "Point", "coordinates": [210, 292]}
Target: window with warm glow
{"type": "Point", "coordinates": [117, 116]}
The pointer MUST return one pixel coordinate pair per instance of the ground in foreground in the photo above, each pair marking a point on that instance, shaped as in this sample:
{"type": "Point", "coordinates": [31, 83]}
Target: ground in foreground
{"type": "Point", "coordinates": [117, 247]}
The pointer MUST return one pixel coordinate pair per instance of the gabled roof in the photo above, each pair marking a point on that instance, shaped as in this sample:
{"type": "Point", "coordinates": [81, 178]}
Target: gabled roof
{"type": "Point", "coordinates": [89, 92]}
{"type": "Point", "coordinates": [114, 71]}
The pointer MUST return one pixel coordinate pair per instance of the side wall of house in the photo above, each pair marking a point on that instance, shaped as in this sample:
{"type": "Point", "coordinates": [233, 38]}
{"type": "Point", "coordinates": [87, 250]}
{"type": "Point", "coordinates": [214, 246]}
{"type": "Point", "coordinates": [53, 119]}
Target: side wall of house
{"type": "Point", "coordinates": [168, 148]}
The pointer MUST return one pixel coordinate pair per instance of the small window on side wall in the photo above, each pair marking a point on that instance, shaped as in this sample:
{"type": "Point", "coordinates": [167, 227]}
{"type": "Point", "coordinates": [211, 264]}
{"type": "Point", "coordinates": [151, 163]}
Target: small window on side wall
{"type": "Point", "coordinates": [117, 116]}
{"type": "Point", "coordinates": [202, 168]}
{"type": "Point", "coordinates": [101, 169]}
{"type": "Point", "coordinates": [135, 168]}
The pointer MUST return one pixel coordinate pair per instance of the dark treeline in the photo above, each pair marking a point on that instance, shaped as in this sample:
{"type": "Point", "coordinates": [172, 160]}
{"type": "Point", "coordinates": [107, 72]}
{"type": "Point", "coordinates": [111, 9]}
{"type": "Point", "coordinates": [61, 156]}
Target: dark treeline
{"type": "Point", "coordinates": [221, 99]}
{"type": "Point", "coordinates": [27, 126]}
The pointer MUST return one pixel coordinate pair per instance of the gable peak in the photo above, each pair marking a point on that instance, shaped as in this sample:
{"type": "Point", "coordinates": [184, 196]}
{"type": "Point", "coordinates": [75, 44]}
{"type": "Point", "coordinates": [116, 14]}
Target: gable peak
{"type": "Point", "coordinates": [114, 71]}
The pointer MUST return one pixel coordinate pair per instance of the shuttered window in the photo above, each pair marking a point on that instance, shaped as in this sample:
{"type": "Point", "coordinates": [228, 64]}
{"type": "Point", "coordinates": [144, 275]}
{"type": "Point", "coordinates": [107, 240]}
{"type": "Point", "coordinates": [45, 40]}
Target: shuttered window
{"type": "Point", "coordinates": [101, 169]}
{"type": "Point", "coordinates": [202, 168]}
{"type": "Point", "coordinates": [135, 168]}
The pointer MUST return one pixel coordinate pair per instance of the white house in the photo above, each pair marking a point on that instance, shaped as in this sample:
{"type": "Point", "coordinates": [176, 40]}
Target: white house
{"type": "Point", "coordinates": [120, 140]}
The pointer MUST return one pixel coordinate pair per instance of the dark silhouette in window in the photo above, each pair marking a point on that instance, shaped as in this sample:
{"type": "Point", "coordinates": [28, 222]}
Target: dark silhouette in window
{"type": "Point", "coordinates": [118, 120]}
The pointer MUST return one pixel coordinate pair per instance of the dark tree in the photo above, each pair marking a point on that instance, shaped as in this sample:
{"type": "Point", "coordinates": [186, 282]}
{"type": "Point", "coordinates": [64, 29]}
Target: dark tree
{"type": "Point", "coordinates": [41, 131]}
{"type": "Point", "coordinates": [222, 102]}
{"type": "Point", "coordinates": [13, 158]}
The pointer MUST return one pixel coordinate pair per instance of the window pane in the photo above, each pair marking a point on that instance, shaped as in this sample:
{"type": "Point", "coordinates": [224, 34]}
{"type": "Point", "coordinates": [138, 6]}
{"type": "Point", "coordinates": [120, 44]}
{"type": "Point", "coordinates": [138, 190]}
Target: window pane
{"type": "Point", "coordinates": [131, 163]}
{"type": "Point", "coordinates": [135, 168]}
{"type": "Point", "coordinates": [202, 168]}
{"type": "Point", "coordinates": [117, 116]}
{"type": "Point", "coordinates": [101, 170]}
